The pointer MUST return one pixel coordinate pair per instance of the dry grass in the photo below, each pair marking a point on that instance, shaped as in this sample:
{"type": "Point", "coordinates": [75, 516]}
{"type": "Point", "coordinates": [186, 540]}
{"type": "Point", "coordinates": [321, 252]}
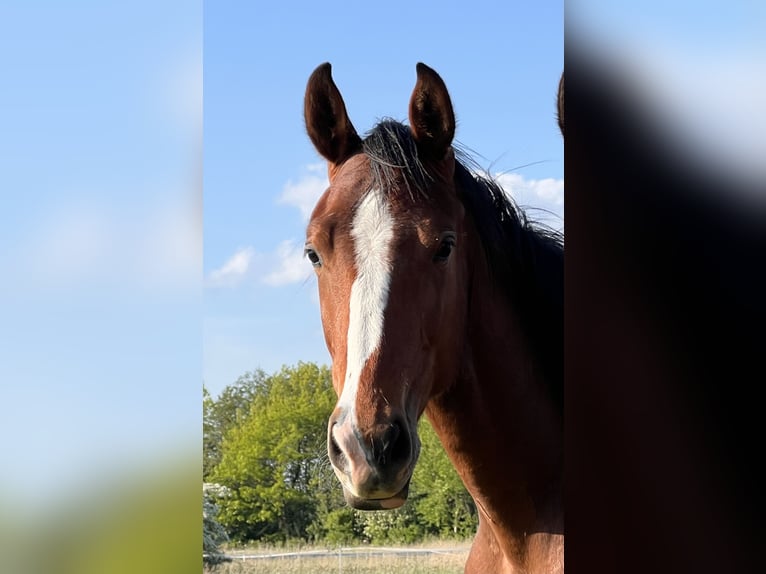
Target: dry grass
{"type": "Point", "coordinates": [366, 560]}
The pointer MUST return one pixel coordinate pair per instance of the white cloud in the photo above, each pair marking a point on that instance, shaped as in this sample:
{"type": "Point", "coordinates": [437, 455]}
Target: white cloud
{"type": "Point", "coordinates": [234, 270]}
{"type": "Point", "coordinates": [291, 265]}
{"type": "Point", "coordinates": [533, 191]}
{"type": "Point", "coordinates": [285, 265]}
{"type": "Point", "coordinates": [304, 193]}
{"type": "Point", "coordinates": [541, 199]}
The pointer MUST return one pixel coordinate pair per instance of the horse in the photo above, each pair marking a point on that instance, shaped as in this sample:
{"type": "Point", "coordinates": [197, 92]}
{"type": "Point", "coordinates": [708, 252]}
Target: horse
{"type": "Point", "coordinates": [438, 295]}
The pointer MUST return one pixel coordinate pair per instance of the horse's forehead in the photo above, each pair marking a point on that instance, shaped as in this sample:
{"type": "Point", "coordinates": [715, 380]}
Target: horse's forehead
{"type": "Point", "coordinates": [348, 184]}
{"type": "Point", "coordinates": [352, 179]}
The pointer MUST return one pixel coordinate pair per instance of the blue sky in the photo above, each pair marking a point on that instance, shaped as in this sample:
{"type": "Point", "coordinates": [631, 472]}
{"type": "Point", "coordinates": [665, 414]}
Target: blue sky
{"type": "Point", "coordinates": [501, 62]}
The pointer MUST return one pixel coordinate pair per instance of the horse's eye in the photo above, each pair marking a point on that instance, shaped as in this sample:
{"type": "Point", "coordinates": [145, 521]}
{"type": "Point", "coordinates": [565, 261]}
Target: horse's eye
{"type": "Point", "coordinates": [313, 256]}
{"type": "Point", "coordinates": [445, 248]}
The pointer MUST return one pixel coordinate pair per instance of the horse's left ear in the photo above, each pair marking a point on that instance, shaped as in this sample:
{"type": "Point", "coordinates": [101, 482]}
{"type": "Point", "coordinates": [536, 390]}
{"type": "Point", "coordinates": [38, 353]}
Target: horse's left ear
{"type": "Point", "coordinates": [432, 120]}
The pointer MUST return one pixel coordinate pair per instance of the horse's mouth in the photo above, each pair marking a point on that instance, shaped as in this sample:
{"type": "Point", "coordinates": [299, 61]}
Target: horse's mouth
{"type": "Point", "coordinates": [389, 503]}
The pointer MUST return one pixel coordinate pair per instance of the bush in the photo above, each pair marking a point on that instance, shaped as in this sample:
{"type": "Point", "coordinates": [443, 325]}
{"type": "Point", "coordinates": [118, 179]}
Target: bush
{"type": "Point", "coordinates": [400, 526]}
{"type": "Point", "coordinates": [340, 527]}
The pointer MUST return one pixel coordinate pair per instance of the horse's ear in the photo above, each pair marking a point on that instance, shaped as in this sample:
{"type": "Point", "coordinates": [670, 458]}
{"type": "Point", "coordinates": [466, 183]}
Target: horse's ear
{"type": "Point", "coordinates": [431, 117]}
{"type": "Point", "coordinates": [327, 122]}
{"type": "Point", "coordinates": [560, 105]}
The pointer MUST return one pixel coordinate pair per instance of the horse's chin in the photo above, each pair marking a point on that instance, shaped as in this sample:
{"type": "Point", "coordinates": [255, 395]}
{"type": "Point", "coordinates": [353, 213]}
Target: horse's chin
{"type": "Point", "coordinates": [390, 503]}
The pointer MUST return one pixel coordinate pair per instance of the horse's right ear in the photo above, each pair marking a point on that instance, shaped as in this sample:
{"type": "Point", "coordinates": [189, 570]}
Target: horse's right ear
{"type": "Point", "coordinates": [560, 105]}
{"type": "Point", "coordinates": [327, 122]}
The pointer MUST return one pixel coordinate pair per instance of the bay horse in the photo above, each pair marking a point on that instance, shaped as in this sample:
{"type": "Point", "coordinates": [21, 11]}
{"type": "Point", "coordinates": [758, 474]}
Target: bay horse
{"type": "Point", "coordinates": [438, 296]}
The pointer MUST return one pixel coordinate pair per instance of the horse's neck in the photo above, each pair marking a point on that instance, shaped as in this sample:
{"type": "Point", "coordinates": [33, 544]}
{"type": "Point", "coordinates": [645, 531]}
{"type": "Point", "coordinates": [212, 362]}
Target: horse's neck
{"type": "Point", "coordinates": [502, 432]}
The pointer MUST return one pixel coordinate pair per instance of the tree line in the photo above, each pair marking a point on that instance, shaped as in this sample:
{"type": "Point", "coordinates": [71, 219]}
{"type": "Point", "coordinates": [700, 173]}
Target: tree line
{"type": "Point", "coordinates": [269, 479]}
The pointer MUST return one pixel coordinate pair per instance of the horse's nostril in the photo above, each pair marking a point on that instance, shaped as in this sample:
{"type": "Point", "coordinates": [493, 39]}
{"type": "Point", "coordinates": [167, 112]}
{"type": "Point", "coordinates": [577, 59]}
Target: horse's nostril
{"type": "Point", "coordinates": [395, 445]}
{"type": "Point", "coordinates": [336, 454]}
{"type": "Point", "coordinates": [391, 435]}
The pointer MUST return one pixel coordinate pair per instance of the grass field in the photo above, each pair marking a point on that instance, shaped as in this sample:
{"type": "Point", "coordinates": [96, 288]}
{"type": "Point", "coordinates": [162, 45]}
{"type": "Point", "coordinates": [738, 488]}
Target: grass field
{"type": "Point", "coordinates": [367, 560]}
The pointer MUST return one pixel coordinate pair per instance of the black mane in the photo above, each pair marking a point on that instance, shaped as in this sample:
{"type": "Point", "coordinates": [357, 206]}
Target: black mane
{"type": "Point", "coordinates": [393, 154]}
{"type": "Point", "coordinates": [525, 257]}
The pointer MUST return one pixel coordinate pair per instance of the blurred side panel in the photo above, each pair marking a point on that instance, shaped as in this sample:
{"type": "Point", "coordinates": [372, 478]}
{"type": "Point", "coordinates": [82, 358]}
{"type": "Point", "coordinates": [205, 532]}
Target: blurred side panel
{"type": "Point", "coordinates": [100, 251]}
{"type": "Point", "coordinates": [665, 283]}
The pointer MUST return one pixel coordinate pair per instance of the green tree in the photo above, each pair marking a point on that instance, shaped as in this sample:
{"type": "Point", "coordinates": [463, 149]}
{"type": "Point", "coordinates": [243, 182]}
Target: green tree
{"type": "Point", "coordinates": [265, 444]}
{"type": "Point", "coordinates": [225, 412]}
{"type": "Point", "coordinates": [443, 505]}
{"type": "Point", "coordinates": [270, 460]}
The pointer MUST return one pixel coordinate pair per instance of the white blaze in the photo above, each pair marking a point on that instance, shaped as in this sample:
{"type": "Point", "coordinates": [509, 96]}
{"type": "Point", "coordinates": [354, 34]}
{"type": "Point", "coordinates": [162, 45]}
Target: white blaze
{"type": "Point", "coordinates": [372, 231]}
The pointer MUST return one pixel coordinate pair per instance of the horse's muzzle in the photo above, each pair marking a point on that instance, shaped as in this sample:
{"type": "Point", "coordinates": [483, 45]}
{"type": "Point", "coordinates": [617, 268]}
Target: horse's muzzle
{"type": "Point", "coordinates": [377, 503]}
{"type": "Point", "coordinates": [374, 467]}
